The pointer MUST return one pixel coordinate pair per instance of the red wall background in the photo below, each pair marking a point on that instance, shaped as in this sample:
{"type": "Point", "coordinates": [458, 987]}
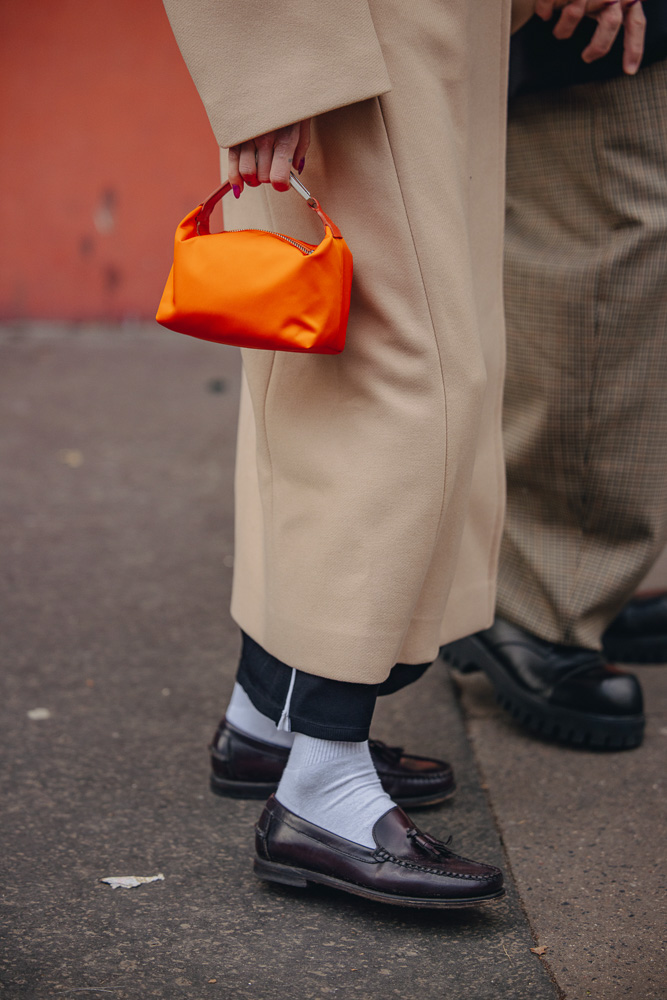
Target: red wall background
{"type": "Point", "coordinates": [105, 147]}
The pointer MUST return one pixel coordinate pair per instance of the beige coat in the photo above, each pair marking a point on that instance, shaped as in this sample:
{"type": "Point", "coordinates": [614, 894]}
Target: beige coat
{"type": "Point", "coordinates": [354, 472]}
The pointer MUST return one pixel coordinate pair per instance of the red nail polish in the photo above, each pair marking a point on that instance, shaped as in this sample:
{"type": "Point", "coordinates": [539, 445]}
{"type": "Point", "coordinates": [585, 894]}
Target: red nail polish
{"type": "Point", "coordinates": [302, 164]}
{"type": "Point", "coordinates": [236, 190]}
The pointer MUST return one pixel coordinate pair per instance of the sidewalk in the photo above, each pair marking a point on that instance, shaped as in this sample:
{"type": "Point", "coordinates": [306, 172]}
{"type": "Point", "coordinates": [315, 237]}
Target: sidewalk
{"type": "Point", "coordinates": [117, 540]}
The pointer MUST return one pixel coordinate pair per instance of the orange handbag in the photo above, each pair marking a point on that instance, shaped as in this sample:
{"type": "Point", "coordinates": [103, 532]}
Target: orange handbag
{"type": "Point", "coordinates": [253, 288]}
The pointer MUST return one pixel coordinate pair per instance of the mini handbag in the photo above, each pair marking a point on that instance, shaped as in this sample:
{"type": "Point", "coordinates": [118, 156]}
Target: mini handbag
{"type": "Point", "coordinates": [254, 288]}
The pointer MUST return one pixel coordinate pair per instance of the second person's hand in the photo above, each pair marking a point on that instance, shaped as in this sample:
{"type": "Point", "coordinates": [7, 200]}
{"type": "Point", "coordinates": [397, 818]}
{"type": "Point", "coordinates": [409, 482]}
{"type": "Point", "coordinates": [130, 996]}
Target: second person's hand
{"type": "Point", "coordinates": [611, 16]}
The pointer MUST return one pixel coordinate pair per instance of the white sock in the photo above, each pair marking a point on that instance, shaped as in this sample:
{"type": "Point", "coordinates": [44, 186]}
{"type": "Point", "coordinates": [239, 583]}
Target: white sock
{"type": "Point", "coordinates": [334, 785]}
{"type": "Point", "coordinates": [242, 714]}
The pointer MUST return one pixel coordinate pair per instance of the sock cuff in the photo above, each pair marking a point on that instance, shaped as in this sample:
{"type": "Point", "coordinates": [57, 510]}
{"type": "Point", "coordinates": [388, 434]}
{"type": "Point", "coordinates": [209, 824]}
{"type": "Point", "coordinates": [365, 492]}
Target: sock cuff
{"type": "Point", "coordinates": [308, 751]}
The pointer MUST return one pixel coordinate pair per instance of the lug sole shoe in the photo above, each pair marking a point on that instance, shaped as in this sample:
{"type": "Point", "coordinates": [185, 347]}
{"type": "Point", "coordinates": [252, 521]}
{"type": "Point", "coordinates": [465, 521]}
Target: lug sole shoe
{"type": "Point", "coordinates": [638, 634]}
{"type": "Point", "coordinates": [563, 693]}
{"type": "Point", "coordinates": [405, 868]}
{"type": "Point", "coordinates": [244, 768]}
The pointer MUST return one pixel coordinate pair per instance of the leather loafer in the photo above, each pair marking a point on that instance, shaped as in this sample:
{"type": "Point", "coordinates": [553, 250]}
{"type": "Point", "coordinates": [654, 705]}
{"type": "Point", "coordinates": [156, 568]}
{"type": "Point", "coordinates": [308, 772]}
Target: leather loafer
{"type": "Point", "coordinates": [638, 634]}
{"type": "Point", "coordinates": [245, 768]}
{"type": "Point", "coordinates": [560, 692]}
{"type": "Point", "coordinates": [406, 867]}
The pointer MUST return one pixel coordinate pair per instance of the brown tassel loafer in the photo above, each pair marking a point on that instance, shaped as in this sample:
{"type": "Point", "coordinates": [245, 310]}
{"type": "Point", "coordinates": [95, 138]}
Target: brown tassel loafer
{"type": "Point", "coordinates": [405, 868]}
{"type": "Point", "coordinates": [244, 768]}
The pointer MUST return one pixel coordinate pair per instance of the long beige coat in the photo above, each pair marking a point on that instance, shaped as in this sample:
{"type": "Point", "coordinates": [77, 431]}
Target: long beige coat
{"type": "Point", "coordinates": [354, 472]}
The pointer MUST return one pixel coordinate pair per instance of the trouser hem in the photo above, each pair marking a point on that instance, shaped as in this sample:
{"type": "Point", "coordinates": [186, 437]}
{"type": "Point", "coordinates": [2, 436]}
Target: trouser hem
{"type": "Point", "coordinates": [320, 707]}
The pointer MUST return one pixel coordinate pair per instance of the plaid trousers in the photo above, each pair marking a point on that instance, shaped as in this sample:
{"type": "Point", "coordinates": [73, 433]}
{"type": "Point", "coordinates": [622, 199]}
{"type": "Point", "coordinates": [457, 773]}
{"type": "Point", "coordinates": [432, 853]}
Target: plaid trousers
{"type": "Point", "coordinates": [585, 409]}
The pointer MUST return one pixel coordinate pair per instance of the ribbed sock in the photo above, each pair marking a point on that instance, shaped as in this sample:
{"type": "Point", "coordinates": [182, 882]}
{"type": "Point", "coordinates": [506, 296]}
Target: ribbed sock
{"type": "Point", "coordinates": [242, 714]}
{"type": "Point", "coordinates": [334, 785]}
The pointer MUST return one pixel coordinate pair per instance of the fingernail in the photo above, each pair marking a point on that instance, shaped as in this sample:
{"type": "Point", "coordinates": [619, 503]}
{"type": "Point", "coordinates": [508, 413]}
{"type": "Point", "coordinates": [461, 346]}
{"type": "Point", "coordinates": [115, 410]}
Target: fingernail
{"type": "Point", "coordinates": [302, 164]}
{"type": "Point", "coordinates": [236, 190]}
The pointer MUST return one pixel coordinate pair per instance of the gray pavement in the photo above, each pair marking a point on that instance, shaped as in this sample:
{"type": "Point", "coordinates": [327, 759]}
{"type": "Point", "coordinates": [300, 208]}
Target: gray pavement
{"type": "Point", "coordinates": [585, 836]}
{"type": "Point", "coordinates": [116, 533]}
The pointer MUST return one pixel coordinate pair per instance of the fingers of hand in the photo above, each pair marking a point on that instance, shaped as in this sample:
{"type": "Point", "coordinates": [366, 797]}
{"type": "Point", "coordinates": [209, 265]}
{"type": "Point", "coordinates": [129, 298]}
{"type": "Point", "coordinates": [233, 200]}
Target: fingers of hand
{"type": "Point", "coordinates": [610, 20]}
{"type": "Point", "coordinates": [233, 171]}
{"type": "Point", "coordinates": [634, 26]}
{"type": "Point", "coordinates": [570, 18]}
{"type": "Point", "coordinates": [302, 145]}
{"type": "Point", "coordinates": [610, 15]}
{"type": "Point", "coordinates": [264, 146]}
{"type": "Point", "coordinates": [545, 9]}
{"type": "Point", "coordinates": [269, 157]}
{"type": "Point", "coordinates": [248, 162]}
{"type": "Point", "coordinates": [286, 140]}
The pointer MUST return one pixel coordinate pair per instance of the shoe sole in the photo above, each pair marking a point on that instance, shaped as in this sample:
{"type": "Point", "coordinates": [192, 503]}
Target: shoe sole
{"type": "Point", "coordinates": [241, 789]}
{"type": "Point", "coordinates": [255, 790]}
{"type": "Point", "coordinates": [562, 725]}
{"type": "Point", "coordinates": [271, 871]}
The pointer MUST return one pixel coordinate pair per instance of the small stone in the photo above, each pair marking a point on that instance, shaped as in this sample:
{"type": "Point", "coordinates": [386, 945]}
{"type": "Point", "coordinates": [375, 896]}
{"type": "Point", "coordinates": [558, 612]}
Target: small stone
{"type": "Point", "coordinates": [71, 457]}
{"type": "Point", "coordinates": [217, 385]}
{"type": "Point", "coordinates": [39, 714]}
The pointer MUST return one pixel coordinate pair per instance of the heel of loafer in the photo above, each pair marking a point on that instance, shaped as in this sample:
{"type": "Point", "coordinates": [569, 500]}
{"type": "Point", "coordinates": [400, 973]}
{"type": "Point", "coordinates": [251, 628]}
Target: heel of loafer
{"type": "Point", "coordinates": [241, 789]}
{"type": "Point", "coordinates": [269, 871]}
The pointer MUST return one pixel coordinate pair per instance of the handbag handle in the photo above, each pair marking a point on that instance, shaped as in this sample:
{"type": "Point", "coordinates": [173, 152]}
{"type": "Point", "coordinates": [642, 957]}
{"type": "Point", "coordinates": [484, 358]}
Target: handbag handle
{"type": "Point", "coordinates": [204, 215]}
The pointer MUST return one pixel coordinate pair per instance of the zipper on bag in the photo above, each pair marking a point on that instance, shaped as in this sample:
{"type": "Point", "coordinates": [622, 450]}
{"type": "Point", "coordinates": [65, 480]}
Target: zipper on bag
{"type": "Point", "coordinates": [279, 236]}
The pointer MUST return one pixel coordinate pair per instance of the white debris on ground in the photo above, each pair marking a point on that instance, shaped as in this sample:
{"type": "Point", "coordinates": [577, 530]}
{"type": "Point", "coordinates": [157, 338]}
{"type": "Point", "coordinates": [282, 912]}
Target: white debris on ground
{"type": "Point", "coordinates": [37, 714]}
{"type": "Point", "coordinates": [130, 881]}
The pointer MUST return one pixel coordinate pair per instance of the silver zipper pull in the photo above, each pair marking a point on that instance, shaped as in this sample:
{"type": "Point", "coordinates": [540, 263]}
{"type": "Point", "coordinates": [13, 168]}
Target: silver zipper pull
{"type": "Point", "coordinates": [299, 187]}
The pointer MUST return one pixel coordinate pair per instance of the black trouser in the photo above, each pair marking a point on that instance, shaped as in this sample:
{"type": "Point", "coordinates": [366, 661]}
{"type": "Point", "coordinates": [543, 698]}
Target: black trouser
{"type": "Point", "coordinates": [316, 706]}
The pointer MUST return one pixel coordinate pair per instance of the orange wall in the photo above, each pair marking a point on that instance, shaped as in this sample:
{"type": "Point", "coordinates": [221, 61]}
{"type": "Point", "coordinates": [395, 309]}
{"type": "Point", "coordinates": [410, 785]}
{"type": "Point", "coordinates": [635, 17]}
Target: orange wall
{"type": "Point", "coordinates": [105, 147]}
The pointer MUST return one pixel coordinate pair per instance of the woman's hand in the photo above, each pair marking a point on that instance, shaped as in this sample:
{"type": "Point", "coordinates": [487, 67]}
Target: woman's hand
{"type": "Point", "coordinates": [269, 158]}
{"type": "Point", "coordinates": [611, 16]}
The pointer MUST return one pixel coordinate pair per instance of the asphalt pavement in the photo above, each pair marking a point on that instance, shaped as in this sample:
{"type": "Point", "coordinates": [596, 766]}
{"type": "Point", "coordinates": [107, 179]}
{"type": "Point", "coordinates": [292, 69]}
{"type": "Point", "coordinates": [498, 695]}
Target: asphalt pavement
{"type": "Point", "coordinates": [118, 656]}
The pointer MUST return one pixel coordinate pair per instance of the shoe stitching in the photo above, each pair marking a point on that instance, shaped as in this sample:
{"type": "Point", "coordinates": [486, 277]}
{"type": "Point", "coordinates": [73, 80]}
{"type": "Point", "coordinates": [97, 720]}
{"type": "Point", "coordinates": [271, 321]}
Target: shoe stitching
{"type": "Point", "coordinates": [383, 855]}
{"type": "Point", "coordinates": [414, 778]}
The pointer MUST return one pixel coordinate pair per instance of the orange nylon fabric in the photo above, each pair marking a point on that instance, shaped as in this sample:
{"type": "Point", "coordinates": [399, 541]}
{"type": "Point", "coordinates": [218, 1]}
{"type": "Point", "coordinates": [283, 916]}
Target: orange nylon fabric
{"type": "Point", "coordinates": [258, 289]}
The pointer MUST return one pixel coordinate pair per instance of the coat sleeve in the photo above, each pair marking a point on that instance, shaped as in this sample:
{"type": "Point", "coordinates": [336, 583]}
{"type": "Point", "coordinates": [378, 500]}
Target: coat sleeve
{"type": "Point", "coordinates": [262, 64]}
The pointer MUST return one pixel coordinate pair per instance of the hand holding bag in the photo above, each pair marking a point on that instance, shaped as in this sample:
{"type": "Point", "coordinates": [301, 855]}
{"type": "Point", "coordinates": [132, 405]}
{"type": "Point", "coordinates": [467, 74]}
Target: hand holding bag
{"type": "Point", "coordinates": [252, 288]}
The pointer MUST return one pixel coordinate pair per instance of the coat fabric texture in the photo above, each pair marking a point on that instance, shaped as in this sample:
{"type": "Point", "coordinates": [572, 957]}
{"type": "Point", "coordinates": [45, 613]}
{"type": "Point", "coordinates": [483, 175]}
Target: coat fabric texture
{"type": "Point", "coordinates": [369, 490]}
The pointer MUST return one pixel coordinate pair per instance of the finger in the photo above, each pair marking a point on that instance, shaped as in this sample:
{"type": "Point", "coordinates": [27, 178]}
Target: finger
{"type": "Point", "coordinates": [264, 145]}
{"type": "Point", "coordinates": [302, 145]}
{"type": "Point", "coordinates": [283, 156]}
{"type": "Point", "coordinates": [569, 19]}
{"type": "Point", "coordinates": [609, 25]}
{"type": "Point", "coordinates": [545, 9]}
{"type": "Point", "coordinates": [233, 172]}
{"type": "Point", "coordinates": [248, 163]}
{"type": "Point", "coordinates": [634, 27]}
